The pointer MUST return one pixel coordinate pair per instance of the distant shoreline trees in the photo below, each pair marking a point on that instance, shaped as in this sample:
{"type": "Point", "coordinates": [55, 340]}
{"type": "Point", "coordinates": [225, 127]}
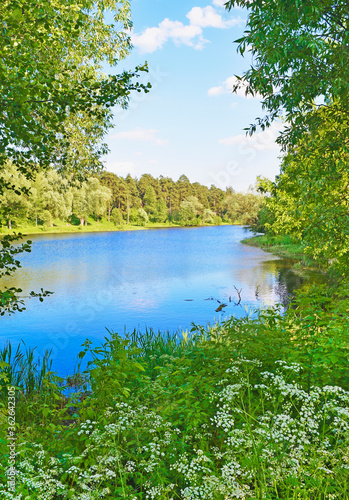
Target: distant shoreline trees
{"type": "Point", "coordinates": [122, 200]}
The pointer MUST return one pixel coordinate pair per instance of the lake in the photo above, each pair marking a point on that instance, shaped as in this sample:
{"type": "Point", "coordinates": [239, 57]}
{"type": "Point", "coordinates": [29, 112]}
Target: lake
{"type": "Point", "coordinates": [162, 278]}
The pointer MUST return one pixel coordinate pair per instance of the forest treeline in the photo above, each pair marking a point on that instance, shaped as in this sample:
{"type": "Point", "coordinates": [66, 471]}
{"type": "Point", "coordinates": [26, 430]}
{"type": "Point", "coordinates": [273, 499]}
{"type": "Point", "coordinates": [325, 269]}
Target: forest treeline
{"type": "Point", "coordinates": [122, 200]}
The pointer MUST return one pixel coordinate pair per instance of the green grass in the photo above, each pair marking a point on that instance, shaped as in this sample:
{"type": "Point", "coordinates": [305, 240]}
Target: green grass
{"type": "Point", "coordinates": [284, 246]}
{"type": "Point", "coordinates": [64, 227]}
{"type": "Point", "coordinates": [289, 248]}
{"type": "Point", "coordinates": [21, 368]}
{"type": "Point", "coordinates": [93, 226]}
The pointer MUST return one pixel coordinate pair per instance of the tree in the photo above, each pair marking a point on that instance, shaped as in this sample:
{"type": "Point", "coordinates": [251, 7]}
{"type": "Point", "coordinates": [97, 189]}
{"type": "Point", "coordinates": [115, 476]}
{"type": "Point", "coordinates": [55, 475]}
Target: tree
{"type": "Point", "coordinates": [55, 196]}
{"type": "Point", "coordinates": [83, 148]}
{"type": "Point", "coordinates": [13, 204]}
{"type": "Point", "coordinates": [184, 187]}
{"type": "Point", "coordinates": [81, 206]}
{"type": "Point", "coordinates": [201, 192]}
{"type": "Point", "coordinates": [112, 181]}
{"type": "Point", "coordinates": [301, 69]}
{"type": "Point", "coordinates": [300, 53]}
{"type": "Point", "coordinates": [98, 197]}
{"type": "Point", "coordinates": [161, 211]}
{"type": "Point", "coordinates": [168, 188]}
{"type": "Point", "coordinates": [144, 182]}
{"type": "Point", "coordinates": [149, 201]}
{"type": "Point", "coordinates": [242, 208]}
{"type": "Point", "coordinates": [189, 211]}
{"type": "Point", "coordinates": [91, 198]}
{"type": "Point", "coordinates": [208, 216]}
{"type": "Point", "coordinates": [311, 196]}
{"type": "Point", "coordinates": [142, 217]}
{"type": "Point", "coordinates": [116, 217]}
{"type": "Point", "coordinates": [50, 71]}
{"type": "Point", "coordinates": [265, 216]}
{"type": "Point", "coordinates": [216, 197]}
{"type": "Point", "coordinates": [37, 190]}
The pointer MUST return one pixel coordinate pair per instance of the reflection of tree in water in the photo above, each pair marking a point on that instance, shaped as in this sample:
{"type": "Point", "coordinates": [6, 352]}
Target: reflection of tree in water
{"type": "Point", "coordinates": [257, 281]}
{"type": "Point", "coordinates": [287, 281]}
{"type": "Point", "coordinates": [274, 278]}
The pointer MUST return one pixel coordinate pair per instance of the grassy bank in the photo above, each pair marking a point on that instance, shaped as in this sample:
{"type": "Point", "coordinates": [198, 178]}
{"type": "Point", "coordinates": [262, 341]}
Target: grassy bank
{"type": "Point", "coordinates": [284, 246]}
{"type": "Point", "coordinates": [92, 227]}
{"type": "Point", "coordinates": [289, 248]}
{"type": "Point", "coordinates": [249, 409]}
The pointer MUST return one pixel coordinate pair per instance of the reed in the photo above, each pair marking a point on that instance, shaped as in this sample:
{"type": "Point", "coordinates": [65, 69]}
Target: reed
{"type": "Point", "coordinates": [20, 367]}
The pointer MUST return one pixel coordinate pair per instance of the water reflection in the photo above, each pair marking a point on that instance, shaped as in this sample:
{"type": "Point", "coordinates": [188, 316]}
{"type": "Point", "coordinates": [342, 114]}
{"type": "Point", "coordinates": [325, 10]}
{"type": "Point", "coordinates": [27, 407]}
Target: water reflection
{"type": "Point", "coordinates": [157, 278]}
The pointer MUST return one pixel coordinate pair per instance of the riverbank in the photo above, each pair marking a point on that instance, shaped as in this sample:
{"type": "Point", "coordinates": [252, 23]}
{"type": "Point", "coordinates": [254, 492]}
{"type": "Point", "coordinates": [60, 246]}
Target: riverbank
{"type": "Point", "coordinates": [283, 246]}
{"type": "Point", "coordinates": [94, 227]}
{"type": "Point", "coordinates": [301, 264]}
{"type": "Point", "coordinates": [288, 248]}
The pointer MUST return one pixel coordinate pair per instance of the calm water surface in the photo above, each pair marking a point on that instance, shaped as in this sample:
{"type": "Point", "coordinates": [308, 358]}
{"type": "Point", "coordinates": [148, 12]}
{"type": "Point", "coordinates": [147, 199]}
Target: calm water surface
{"type": "Point", "coordinates": [165, 279]}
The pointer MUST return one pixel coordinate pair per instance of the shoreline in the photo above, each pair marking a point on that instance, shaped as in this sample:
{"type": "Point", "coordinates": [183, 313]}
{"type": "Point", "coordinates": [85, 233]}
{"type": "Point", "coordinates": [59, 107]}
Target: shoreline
{"type": "Point", "coordinates": [95, 227]}
{"type": "Point", "coordinates": [282, 246]}
{"type": "Point", "coordinates": [286, 248]}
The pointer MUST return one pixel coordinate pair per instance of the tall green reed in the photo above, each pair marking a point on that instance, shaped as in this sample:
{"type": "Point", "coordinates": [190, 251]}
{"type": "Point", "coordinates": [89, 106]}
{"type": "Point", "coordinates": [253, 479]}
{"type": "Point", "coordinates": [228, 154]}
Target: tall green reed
{"type": "Point", "coordinates": [21, 368]}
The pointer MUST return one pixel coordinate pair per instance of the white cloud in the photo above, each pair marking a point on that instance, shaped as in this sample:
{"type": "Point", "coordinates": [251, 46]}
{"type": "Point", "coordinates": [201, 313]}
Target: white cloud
{"type": "Point", "coordinates": [206, 17]}
{"type": "Point", "coordinates": [140, 134]}
{"type": "Point", "coordinates": [227, 88]}
{"type": "Point", "coordinates": [219, 3]}
{"type": "Point", "coordinates": [154, 38]}
{"type": "Point", "coordinates": [216, 91]}
{"type": "Point", "coordinates": [150, 40]}
{"type": "Point", "coordinates": [182, 34]}
{"type": "Point", "coordinates": [260, 141]}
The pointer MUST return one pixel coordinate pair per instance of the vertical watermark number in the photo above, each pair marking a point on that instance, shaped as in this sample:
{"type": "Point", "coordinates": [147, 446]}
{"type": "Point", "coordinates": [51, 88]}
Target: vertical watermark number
{"type": "Point", "coordinates": [11, 437]}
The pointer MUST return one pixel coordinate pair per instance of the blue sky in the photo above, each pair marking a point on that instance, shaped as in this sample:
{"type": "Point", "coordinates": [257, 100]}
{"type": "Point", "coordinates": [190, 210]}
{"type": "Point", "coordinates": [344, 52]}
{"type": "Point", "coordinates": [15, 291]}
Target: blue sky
{"type": "Point", "coordinates": [190, 123]}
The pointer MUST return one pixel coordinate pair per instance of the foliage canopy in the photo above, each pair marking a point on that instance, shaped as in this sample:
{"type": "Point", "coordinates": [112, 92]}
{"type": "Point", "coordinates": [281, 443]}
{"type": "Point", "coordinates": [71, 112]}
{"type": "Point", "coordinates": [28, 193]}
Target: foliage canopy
{"type": "Point", "coordinates": [310, 198]}
{"type": "Point", "coordinates": [300, 54]}
{"type": "Point", "coordinates": [51, 56]}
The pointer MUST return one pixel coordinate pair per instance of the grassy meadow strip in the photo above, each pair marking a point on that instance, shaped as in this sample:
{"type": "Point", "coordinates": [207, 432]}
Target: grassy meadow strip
{"type": "Point", "coordinates": [92, 226]}
{"type": "Point", "coordinates": [284, 245]}
{"type": "Point", "coordinates": [252, 408]}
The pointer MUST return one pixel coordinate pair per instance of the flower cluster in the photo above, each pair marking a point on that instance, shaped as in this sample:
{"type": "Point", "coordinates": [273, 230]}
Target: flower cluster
{"type": "Point", "coordinates": [261, 430]}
